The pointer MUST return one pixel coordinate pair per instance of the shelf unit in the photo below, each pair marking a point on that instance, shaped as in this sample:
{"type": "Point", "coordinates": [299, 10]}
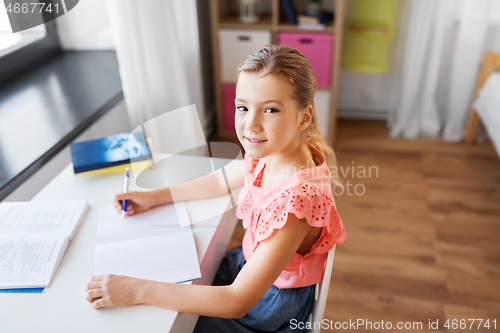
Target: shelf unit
{"type": "Point", "coordinates": [224, 15]}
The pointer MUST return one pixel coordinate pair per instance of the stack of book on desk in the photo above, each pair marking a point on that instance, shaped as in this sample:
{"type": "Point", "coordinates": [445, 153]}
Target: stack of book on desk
{"type": "Point", "coordinates": [111, 154]}
{"type": "Point", "coordinates": [33, 239]}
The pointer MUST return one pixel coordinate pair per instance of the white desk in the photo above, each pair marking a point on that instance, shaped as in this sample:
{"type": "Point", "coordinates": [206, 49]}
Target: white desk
{"type": "Point", "coordinates": [63, 308]}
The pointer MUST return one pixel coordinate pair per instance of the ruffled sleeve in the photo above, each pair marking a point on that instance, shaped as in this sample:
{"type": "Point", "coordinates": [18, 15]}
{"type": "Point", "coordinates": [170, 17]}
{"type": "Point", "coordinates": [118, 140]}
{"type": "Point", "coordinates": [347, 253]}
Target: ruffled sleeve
{"type": "Point", "coordinates": [305, 201]}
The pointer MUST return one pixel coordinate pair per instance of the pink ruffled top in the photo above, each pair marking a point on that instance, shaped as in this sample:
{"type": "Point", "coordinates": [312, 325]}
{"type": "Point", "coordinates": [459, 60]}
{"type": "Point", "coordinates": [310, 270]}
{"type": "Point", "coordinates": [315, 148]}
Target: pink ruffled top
{"type": "Point", "coordinates": [307, 194]}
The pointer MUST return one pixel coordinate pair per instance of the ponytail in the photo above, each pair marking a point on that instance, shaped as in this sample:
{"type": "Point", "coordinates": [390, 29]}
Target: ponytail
{"type": "Point", "coordinates": [315, 137]}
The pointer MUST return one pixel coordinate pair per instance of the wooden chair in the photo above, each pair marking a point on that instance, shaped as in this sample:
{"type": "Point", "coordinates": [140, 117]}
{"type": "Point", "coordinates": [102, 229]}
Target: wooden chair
{"type": "Point", "coordinates": [318, 310]}
{"type": "Point", "coordinates": [490, 64]}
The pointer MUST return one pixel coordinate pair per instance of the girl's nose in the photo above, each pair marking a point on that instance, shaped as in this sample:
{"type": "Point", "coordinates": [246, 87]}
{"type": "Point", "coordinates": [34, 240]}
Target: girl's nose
{"type": "Point", "coordinates": [253, 122]}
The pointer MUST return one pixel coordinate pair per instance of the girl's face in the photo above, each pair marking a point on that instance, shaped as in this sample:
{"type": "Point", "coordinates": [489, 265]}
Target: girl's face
{"type": "Point", "coordinates": [267, 120]}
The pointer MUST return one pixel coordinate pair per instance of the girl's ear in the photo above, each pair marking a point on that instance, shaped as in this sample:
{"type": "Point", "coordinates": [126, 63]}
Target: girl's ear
{"type": "Point", "coordinates": [307, 114]}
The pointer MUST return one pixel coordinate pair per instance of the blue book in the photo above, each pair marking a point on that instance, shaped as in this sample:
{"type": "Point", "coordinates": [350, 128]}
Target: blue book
{"type": "Point", "coordinates": [23, 291]}
{"type": "Point", "coordinates": [110, 151]}
{"type": "Point", "coordinates": [291, 14]}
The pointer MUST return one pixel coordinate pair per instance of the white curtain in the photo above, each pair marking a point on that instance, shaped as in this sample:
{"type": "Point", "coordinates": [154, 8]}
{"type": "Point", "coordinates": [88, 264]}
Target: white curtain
{"type": "Point", "coordinates": [444, 44]}
{"type": "Point", "coordinates": [158, 50]}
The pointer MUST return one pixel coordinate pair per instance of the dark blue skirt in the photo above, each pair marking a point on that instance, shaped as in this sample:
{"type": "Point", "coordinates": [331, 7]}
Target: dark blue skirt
{"type": "Point", "coordinates": [273, 311]}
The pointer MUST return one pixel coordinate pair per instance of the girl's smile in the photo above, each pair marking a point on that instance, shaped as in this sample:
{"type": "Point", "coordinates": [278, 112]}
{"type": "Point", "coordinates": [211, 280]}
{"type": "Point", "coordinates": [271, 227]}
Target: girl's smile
{"type": "Point", "coordinates": [254, 141]}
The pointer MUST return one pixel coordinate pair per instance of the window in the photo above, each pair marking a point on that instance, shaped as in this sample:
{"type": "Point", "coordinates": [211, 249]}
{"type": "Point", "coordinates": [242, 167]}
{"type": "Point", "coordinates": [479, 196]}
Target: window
{"type": "Point", "coordinates": [21, 50]}
{"type": "Point", "coordinates": [10, 41]}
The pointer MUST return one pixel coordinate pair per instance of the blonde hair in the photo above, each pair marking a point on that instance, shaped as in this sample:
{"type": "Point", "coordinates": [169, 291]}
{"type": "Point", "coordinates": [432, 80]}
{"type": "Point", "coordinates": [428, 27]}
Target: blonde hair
{"type": "Point", "coordinates": [292, 65]}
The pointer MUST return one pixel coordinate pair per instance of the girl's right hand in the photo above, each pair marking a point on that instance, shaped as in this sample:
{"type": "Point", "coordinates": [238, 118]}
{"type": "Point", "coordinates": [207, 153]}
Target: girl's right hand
{"type": "Point", "coordinates": [137, 202]}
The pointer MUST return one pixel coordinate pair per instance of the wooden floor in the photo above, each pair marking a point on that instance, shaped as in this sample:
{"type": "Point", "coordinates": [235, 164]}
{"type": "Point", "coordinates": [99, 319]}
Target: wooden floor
{"type": "Point", "coordinates": [423, 235]}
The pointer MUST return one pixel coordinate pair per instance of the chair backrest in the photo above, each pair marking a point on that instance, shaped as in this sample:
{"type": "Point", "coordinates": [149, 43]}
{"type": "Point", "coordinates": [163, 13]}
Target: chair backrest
{"type": "Point", "coordinates": [319, 305]}
{"type": "Point", "coordinates": [491, 62]}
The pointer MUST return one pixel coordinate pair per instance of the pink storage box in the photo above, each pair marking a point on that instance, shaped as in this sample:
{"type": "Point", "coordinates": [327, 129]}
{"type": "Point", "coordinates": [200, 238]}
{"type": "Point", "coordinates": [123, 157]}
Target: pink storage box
{"type": "Point", "coordinates": [317, 47]}
{"type": "Point", "coordinates": [228, 96]}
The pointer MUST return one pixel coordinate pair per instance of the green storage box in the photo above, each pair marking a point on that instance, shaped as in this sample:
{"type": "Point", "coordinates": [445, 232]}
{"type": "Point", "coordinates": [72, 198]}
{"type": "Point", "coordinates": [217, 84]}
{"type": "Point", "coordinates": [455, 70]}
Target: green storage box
{"type": "Point", "coordinates": [366, 52]}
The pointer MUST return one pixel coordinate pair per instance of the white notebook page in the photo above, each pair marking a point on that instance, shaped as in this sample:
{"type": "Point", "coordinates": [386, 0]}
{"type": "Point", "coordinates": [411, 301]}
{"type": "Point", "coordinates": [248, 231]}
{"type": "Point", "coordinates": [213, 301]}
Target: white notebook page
{"type": "Point", "coordinates": [150, 245]}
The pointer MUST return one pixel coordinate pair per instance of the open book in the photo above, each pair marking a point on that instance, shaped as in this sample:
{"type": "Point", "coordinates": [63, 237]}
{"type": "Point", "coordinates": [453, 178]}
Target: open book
{"type": "Point", "coordinates": [33, 239]}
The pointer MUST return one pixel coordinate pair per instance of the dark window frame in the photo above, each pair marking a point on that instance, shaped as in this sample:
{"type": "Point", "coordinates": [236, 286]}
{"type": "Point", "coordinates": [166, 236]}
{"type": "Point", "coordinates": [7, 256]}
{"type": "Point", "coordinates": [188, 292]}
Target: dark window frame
{"type": "Point", "coordinates": [32, 54]}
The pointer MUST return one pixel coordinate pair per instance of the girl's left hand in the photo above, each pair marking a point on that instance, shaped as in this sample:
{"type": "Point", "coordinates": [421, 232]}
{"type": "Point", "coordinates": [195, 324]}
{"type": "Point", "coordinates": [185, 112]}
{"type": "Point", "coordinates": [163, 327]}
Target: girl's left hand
{"type": "Point", "coordinates": [112, 290]}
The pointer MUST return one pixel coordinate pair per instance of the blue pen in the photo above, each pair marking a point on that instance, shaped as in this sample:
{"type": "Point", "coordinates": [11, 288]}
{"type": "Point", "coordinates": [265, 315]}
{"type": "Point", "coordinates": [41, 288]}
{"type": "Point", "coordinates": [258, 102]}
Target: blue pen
{"type": "Point", "coordinates": [125, 190]}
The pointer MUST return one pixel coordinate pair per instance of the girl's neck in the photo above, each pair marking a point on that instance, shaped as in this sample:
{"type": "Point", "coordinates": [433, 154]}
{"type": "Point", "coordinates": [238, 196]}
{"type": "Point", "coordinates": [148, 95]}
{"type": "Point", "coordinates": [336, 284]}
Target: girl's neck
{"type": "Point", "coordinates": [290, 160]}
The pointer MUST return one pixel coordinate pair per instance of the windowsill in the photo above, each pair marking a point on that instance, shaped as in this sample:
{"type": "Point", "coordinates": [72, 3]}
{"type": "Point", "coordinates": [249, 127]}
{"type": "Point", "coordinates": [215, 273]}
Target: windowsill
{"type": "Point", "coordinates": [44, 109]}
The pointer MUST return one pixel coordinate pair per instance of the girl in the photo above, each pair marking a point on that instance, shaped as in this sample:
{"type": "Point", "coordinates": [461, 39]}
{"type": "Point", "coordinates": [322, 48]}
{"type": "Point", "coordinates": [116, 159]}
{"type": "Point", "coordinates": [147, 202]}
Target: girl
{"type": "Point", "coordinates": [286, 205]}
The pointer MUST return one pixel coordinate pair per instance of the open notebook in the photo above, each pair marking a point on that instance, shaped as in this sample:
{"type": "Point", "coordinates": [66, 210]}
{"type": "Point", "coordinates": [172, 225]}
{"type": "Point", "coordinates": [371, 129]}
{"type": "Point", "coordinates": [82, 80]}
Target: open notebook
{"type": "Point", "coordinates": [151, 245]}
{"type": "Point", "coordinates": [33, 239]}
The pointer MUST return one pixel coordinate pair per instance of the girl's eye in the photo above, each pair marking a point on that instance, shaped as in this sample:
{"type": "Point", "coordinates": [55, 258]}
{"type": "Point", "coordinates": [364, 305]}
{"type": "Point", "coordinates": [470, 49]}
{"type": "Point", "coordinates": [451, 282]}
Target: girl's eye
{"type": "Point", "coordinates": [242, 108]}
{"type": "Point", "coordinates": [271, 110]}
